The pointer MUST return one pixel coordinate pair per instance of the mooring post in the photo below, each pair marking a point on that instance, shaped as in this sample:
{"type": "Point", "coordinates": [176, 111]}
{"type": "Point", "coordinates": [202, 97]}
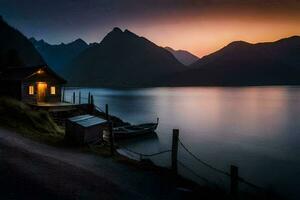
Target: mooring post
{"type": "Point", "coordinates": [175, 149]}
{"type": "Point", "coordinates": [74, 98]}
{"type": "Point", "coordinates": [63, 94]}
{"type": "Point", "coordinates": [234, 181]}
{"type": "Point", "coordinates": [106, 111]}
{"type": "Point", "coordinates": [111, 138]}
{"type": "Point", "coordinates": [91, 105]}
{"type": "Point", "coordinates": [79, 100]}
{"type": "Point", "coordinates": [92, 100]}
{"type": "Point", "coordinates": [89, 98]}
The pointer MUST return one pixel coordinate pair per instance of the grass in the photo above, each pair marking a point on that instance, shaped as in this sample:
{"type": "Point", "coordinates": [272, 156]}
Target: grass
{"type": "Point", "coordinates": [37, 125]}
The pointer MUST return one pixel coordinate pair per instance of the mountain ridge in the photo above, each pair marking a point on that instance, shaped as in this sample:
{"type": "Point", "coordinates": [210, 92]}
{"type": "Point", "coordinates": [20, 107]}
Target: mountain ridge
{"type": "Point", "coordinates": [183, 56]}
{"type": "Point", "coordinates": [16, 49]}
{"type": "Point", "coordinates": [125, 59]}
{"type": "Point", "coordinates": [242, 63]}
{"type": "Point", "coordinates": [122, 59]}
{"type": "Point", "coordinates": [59, 55]}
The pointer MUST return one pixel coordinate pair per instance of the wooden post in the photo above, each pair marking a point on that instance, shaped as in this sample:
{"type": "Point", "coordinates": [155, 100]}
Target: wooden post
{"type": "Point", "coordinates": [73, 97]}
{"type": "Point", "coordinates": [106, 111]}
{"type": "Point", "coordinates": [234, 181]}
{"type": "Point", "coordinates": [89, 98]}
{"type": "Point", "coordinates": [63, 94]}
{"type": "Point", "coordinates": [79, 100]}
{"type": "Point", "coordinates": [92, 100]}
{"type": "Point", "coordinates": [111, 138]}
{"type": "Point", "coordinates": [91, 106]}
{"type": "Point", "coordinates": [175, 150]}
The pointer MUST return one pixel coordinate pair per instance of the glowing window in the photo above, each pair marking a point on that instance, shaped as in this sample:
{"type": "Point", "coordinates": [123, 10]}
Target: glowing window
{"type": "Point", "coordinates": [53, 90]}
{"type": "Point", "coordinates": [31, 90]}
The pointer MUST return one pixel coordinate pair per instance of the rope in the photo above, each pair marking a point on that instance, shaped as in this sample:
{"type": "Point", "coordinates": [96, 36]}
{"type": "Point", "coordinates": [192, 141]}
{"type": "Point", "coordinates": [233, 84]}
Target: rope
{"type": "Point", "coordinates": [99, 109]}
{"type": "Point", "coordinates": [203, 162]}
{"type": "Point", "coordinates": [192, 171]}
{"type": "Point", "coordinates": [216, 169]}
{"type": "Point", "coordinates": [95, 95]}
{"type": "Point", "coordinates": [146, 155]}
{"type": "Point", "coordinates": [77, 97]}
{"type": "Point", "coordinates": [250, 184]}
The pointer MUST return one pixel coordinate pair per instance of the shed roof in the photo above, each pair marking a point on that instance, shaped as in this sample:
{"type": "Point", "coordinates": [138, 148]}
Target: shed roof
{"type": "Point", "coordinates": [87, 120]}
{"type": "Point", "coordinates": [23, 73]}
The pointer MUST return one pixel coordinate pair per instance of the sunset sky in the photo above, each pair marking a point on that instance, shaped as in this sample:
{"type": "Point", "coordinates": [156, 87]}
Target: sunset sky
{"type": "Point", "coordinates": [199, 26]}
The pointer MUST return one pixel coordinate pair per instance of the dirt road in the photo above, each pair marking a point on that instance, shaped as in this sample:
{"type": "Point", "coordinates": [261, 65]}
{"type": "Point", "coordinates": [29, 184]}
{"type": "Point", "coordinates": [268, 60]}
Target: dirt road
{"type": "Point", "coordinates": [31, 170]}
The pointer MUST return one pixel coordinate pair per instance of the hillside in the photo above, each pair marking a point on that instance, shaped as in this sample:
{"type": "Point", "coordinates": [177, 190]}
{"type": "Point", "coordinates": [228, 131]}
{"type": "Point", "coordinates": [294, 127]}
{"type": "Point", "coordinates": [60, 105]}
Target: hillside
{"type": "Point", "coordinates": [183, 56]}
{"type": "Point", "coordinates": [122, 59]}
{"type": "Point", "coordinates": [242, 63]}
{"type": "Point", "coordinates": [58, 56]}
{"type": "Point", "coordinates": [16, 49]}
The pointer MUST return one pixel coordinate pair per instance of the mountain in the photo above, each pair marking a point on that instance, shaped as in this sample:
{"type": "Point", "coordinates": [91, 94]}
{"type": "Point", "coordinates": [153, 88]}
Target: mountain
{"type": "Point", "coordinates": [183, 56]}
{"type": "Point", "coordinates": [16, 49]}
{"type": "Point", "coordinates": [122, 59]}
{"type": "Point", "coordinates": [58, 56]}
{"type": "Point", "coordinates": [242, 63]}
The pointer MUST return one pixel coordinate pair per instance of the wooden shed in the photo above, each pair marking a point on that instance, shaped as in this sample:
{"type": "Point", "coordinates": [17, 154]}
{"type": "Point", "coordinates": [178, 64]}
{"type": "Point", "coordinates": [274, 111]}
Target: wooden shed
{"type": "Point", "coordinates": [38, 84]}
{"type": "Point", "coordinates": [85, 129]}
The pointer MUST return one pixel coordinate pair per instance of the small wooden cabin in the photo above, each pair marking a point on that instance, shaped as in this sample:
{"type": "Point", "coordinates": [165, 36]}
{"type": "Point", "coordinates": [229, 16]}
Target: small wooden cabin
{"type": "Point", "coordinates": [38, 84]}
{"type": "Point", "coordinates": [85, 129]}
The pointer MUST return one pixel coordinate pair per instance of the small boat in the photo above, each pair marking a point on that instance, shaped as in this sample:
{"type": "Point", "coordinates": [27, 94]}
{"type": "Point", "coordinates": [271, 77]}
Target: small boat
{"type": "Point", "coordinates": [130, 131]}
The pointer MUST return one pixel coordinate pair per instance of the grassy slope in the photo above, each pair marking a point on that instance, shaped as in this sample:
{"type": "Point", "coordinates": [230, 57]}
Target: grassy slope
{"type": "Point", "coordinates": [30, 123]}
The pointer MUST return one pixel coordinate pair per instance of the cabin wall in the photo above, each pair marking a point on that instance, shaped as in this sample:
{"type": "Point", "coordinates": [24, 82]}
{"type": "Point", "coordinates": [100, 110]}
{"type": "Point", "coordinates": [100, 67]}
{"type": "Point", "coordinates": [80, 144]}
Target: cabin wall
{"type": "Point", "coordinates": [26, 97]}
{"type": "Point", "coordinates": [57, 96]}
{"type": "Point", "coordinates": [25, 92]}
{"type": "Point", "coordinates": [20, 91]}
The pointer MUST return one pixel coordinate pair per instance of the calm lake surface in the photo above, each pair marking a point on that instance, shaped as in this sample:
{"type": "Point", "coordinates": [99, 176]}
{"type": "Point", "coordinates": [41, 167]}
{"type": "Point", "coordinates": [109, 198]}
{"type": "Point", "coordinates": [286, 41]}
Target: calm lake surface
{"type": "Point", "coordinates": [255, 128]}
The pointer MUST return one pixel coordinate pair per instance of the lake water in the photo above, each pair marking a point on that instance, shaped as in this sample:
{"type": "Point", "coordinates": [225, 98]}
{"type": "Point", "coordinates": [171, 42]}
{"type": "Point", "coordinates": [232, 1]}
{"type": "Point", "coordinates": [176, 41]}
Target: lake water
{"type": "Point", "coordinates": [254, 128]}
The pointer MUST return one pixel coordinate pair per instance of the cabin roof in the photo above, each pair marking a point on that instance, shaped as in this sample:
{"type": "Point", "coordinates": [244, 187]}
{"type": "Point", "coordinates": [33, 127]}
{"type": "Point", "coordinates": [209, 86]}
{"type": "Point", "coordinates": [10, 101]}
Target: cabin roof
{"type": "Point", "coordinates": [23, 73]}
{"type": "Point", "coordinates": [87, 120]}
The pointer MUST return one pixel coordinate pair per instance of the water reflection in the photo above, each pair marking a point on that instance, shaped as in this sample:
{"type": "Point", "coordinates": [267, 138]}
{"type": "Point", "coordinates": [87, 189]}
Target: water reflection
{"type": "Point", "coordinates": [256, 128]}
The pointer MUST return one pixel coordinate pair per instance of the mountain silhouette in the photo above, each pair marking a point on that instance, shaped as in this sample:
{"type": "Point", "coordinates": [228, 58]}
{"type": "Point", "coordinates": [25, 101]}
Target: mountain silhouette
{"type": "Point", "coordinates": [15, 49]}
{"type": "Point", "coordinates": [183, 56]}
{"type": "Point", "coordinates": [58, 56]}
{"type": "Point", "coordinates": [242, 63]}
{"type": "Point", "coordinates": [122, 59]}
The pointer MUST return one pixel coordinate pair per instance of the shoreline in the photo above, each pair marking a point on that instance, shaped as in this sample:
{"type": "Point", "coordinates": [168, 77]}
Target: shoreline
{"type": "Point", "coordinates": [35, 144]}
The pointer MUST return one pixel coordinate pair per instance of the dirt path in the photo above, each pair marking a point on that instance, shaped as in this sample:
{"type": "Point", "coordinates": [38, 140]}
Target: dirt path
{"type": "Point", "coordinates": [66, 174]}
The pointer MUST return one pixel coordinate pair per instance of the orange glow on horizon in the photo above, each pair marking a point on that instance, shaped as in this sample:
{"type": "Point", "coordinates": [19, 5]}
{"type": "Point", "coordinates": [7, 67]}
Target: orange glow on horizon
{"type": "Point", "coordinates": [204, 35]}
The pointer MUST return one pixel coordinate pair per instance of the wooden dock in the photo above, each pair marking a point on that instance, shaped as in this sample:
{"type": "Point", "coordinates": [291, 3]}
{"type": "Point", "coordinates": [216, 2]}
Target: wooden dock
{"type": "Point", "coordinates": [60, 111]}
{"type": "Point", "coordinates": [60, 106]}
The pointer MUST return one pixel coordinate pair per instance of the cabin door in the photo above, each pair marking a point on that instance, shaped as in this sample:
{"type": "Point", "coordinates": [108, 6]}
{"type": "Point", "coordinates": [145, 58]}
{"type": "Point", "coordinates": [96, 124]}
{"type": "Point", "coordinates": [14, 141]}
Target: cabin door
{"type": "Point", "coordinates": [41, 91]}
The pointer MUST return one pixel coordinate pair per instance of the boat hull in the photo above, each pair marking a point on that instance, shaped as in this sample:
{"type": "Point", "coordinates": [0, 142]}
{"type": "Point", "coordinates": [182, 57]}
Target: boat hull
{"type": "Point", "coordinates": [126, 132]}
